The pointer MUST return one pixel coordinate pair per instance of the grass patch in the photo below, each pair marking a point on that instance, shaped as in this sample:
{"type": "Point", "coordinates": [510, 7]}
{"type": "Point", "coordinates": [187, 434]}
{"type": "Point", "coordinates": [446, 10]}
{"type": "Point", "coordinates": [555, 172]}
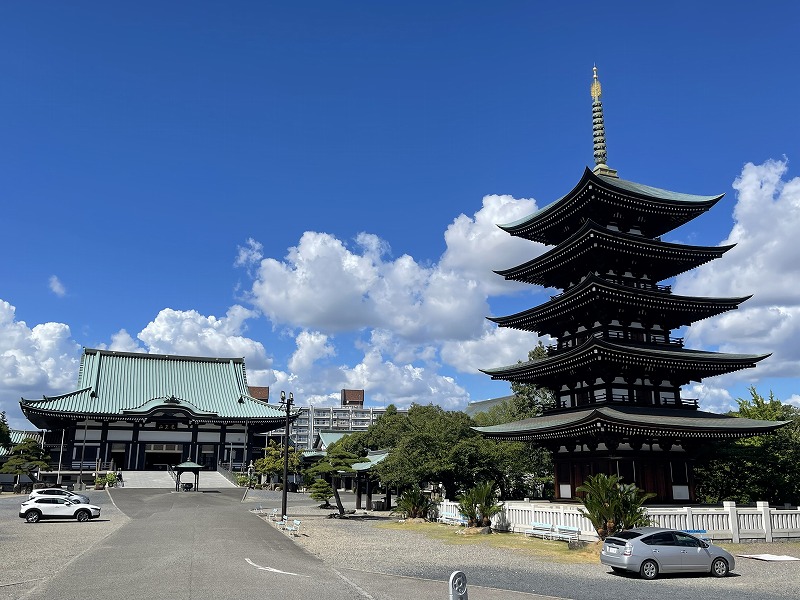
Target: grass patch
{"type": "Point", "coordinates": [514, 542]}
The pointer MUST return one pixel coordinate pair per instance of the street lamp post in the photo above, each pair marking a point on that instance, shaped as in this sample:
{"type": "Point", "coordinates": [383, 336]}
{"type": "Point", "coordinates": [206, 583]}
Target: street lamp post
{"type": "Point", "coordinates": [60, 457]}
{"type": "Point", "coordinates": [287, 403]}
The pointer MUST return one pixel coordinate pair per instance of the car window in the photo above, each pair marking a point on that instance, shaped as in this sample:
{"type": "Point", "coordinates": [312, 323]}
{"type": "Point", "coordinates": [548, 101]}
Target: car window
{"type": "Point", "coordinates": [59, 501]}
{"type": "Point", "coordinates": [627, 535]}
{"type": "Point", "coordinates": [684, 539]}
{"type": "Point", "coordinates": [45, 500]}
{"type": "Point", "coordinates": [663, 538]}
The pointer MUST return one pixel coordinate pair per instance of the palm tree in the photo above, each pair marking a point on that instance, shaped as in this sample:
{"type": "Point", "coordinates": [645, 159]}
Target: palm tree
{"type": "Point", "coordinates": [612, 506]}
{"type": "Point", "coordinates": [479, 504]}
{"type": "Point", "coordinates": [488, 506]}
{"type": "Point", "coordinates": [415, 504]}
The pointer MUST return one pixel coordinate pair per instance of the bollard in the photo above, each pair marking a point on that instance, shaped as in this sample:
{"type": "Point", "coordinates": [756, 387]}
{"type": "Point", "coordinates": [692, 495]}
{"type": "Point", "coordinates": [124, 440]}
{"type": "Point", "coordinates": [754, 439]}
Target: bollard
{"type": "Point", "coordinates": [458, 586]}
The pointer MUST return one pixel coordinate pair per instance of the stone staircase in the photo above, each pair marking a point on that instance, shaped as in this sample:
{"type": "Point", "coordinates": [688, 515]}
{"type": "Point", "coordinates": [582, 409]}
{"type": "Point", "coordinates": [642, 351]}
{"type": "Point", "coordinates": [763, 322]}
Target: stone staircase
{"type": "Point", "coordinates": [163, 480]}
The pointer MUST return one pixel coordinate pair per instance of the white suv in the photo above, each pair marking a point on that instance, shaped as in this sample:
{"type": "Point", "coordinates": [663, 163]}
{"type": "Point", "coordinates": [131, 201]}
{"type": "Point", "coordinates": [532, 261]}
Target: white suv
{"type": "Point", "coordinates": [60, 493]}
{"type": "Point", "coordinates": [56, 507]}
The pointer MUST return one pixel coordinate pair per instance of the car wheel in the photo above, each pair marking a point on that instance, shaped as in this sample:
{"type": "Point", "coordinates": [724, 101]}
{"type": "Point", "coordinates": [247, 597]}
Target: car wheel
{"type": "Point", "coordinates": [33, 516]}
{"type": "Point", "coordinates": [82, 515]}
{"type": "Point", "coordinates": [719, 568]}
{"type": "Point", "coordinates": [649, 569]}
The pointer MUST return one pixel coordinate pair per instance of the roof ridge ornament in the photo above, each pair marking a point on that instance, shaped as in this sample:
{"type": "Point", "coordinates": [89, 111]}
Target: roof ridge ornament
{"type": "Point", "coordinates": [599, 130]}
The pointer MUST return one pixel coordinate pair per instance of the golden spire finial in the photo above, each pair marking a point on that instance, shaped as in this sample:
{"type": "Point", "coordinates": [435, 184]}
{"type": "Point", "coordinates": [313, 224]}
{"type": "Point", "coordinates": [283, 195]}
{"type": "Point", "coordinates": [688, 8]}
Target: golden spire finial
{"type": "Point", "coordinates": [596, 89]}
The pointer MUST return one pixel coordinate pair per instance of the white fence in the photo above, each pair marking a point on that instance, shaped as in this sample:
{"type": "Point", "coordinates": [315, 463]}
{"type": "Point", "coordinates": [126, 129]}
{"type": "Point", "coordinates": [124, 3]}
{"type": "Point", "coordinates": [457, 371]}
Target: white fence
{"type": "Point", "coordinates": [728, 522]}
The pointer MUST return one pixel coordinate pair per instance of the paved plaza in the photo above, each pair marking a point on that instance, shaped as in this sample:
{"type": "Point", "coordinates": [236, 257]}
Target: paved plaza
{"type": "Point", "coordinates": [157, 543]}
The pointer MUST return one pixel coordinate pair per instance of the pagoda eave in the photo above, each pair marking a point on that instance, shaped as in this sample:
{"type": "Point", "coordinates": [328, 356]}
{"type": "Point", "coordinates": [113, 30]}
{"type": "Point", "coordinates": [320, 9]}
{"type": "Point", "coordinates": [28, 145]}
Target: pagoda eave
{"type": "Point", "coordinates": [601, 358]}
{"type": "Point", "coordinates": [666, 210]}
{"type": "Point", "coordinates": [630, 421]}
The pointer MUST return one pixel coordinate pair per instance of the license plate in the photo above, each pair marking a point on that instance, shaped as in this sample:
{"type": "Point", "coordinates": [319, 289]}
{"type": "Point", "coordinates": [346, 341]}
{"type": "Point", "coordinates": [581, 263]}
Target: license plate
{"type": "Point", "coordinates": [611, 550]}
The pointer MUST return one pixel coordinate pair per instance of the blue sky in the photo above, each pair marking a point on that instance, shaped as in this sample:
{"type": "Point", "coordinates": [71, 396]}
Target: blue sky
{"type": "Point", "coordinates": [314, 185]}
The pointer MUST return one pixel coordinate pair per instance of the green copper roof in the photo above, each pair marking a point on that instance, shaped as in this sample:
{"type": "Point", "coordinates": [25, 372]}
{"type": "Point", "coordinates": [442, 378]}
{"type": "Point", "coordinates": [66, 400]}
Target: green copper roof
{"type": "Point", "coordinates": [373, 458]}
{"type": "Point", "coordinates": [135, 384]}
{"type": "Point", "coordinates": [17, 435]}
{"type": "Point", "coordinates": [481, 406]}
{"type": "Point", "coordinates": [324, 438]}
{"type": "Point", "coordinates": [654, 192]}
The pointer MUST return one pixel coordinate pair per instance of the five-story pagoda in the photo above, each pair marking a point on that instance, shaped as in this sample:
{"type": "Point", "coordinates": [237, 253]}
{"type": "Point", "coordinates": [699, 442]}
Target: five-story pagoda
{"type": "Point", "coordinates": [616, 372]}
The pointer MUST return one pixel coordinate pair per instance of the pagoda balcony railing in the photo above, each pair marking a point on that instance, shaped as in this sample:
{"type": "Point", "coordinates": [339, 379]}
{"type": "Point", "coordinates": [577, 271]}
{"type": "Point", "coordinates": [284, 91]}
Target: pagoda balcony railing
{"type": "Point", "coordinates": [616, 335]}
{"type": "Point", "coordinates": [603, 398]}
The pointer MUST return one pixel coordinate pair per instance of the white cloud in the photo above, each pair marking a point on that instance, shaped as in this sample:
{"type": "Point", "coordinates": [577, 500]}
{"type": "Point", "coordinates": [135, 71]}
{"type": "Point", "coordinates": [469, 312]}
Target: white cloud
{"type": "Point", "coordinates": [123, 342]}
{"type": "Point", "coordinates": [496, 347]}
{"type": "Point", "coordinates": [324, 285]}
{"type": "Point", "coordinates": [249, 254]}
{"type": "Point", "coordinates": [192, 334]}
{"type": "Point", "coordinates": [476, 247]}
{"type": "Point", "coordinates": [765, 263]}
{"type": "Point", "coordinates": [57, 287]}
{"type": "Point", "coordinates": [311, 347]}
{"type": "Point", "coordinates": [33, 362]}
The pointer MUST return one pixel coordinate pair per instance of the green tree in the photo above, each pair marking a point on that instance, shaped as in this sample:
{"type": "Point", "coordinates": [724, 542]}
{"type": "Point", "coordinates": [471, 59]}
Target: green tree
{"type": "Point", "coordinates": [5, 432]}
{"type": "Point", "coordinates": [530, 400]}
{"type": "Point", "coordinates": [421, 450]}
{"type": "Point", "coordinates": [321, 491]}
{"type": "Point", "coordinates": [479, 504]}
{"type": "Point", "coordinates": [336, 462]}
{"type": "Point", "coordinates": [26, 458]}
{"type": "Point", "coordinates": [527, 400]}
{"type": "Point", "coordinates": [765, 467]}
{"type": "Point", "coordinates": [612, 506]}
{"type": "Point", "coordinates": [272, 462]}
{"type": "Point", "coordinates": [414, 504]}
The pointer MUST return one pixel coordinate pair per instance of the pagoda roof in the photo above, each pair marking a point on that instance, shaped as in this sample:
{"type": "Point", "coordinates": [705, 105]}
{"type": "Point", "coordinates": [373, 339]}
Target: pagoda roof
{"type": "Point", "coordinates": [630, 420]}
{"type": "Point", "coordinates": [136, 386]}
{"type": "Point", "coordinates": [600, 197]}
{"type": "Point", "coordinates": [596, 248]}
{"type": "Point", "coordinates": [600, 357]}
{"type": "Point", "coordinates": [594, 296]}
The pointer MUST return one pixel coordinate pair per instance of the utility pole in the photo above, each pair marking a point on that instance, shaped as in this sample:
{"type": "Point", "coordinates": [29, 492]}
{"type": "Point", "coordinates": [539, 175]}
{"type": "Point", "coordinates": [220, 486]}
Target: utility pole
{"type": "Point", "coordinates": [287, 403]}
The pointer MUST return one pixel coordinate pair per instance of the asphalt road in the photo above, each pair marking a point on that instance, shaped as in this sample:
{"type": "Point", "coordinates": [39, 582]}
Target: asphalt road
{"type": "Point", "coordinates": [196, 546]}
{"type": "Point", "coordinates": [158, 544]}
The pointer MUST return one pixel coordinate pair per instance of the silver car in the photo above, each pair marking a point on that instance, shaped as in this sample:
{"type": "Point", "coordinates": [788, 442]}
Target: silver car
{"type": "Point", "coordinates": [653, 550]}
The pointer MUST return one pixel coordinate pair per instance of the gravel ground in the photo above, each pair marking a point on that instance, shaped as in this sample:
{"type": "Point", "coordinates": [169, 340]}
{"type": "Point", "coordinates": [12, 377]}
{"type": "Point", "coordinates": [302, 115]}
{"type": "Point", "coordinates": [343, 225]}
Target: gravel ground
{"type": "Point", "coordinates": [29, 553]}
{"type": "Point", "coordinates": [360, 543]}
{"type": "Point", "coordinates": [33, 551]}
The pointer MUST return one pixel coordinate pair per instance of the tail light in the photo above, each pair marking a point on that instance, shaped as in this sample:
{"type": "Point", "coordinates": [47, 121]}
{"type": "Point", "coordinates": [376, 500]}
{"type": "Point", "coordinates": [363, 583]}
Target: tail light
{"type": "Point", "coordinates": [628, 550]}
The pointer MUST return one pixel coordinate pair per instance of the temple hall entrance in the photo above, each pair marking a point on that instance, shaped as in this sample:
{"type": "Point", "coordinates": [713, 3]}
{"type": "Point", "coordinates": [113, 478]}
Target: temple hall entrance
{"type": "Point", "coordinates": [158, 456]}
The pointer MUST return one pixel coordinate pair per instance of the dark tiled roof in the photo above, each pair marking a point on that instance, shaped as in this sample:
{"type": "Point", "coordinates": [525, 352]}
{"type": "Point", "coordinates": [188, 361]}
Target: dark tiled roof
{"type": "Point", "coordinates": [630, 419]}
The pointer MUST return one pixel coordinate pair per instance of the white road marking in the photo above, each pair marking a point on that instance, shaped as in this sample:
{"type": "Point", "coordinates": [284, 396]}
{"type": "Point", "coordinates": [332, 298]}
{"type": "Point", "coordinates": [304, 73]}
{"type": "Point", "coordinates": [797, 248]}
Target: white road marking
{"type": "Point", "coordinates": [271, 570]}
{"type": "Point", "coordinates": [362, 592]}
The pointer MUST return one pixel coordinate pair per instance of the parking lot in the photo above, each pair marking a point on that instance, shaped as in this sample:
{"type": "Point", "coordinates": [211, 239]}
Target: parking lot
{"type": "Point", "coordinates": [159, 544]}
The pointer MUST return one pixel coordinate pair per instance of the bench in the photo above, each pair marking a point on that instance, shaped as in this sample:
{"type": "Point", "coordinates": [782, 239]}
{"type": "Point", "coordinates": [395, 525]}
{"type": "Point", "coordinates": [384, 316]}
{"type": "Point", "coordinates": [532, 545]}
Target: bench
{"type": "Point", "coordinates": [293, 529]}
{"type": "Point", "coordinates": [454, 520]}
{"type": "Point", "coordinates": [567, 534]}
{"type": "Point", "coordinates": [542, 530]}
